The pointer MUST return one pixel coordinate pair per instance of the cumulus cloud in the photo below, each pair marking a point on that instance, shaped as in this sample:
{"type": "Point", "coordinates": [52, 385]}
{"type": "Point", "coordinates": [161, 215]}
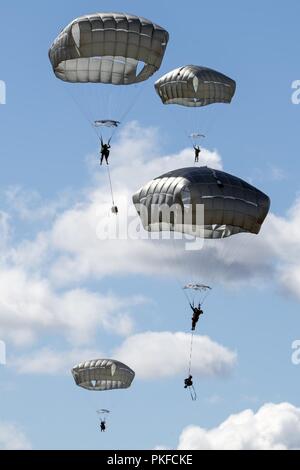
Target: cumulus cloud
{"type": "Point", "coordinates": [140, 150]}
{"type": "Point", "coordinates": [39, 277]}
{"type": "Point", "coordinates": [272, 427]}
{"type": "Point", "coordinates": [73, 249]}
{"type": "Point", "coordinates": [12, 437]}
{"type": "Point", "coordinates": [79, 251]}
{"type": "Point", "coordinates": [281, 241]}
{"type": "Point", "coordinates": [165, 354]}
{"type": "Point", "coordinates": [5, 232]}
{"type": "Point", "coordinates": [29, 206]}
{"type": "Point", "coordinates": [47, 361]}
{"type": "Point", "coordinates": [29, 306]}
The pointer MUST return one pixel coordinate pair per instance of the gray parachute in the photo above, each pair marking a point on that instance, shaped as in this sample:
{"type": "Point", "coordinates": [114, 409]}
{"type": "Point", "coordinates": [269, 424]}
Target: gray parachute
{"type": "Point", "coordinates": [108, 48]}
{"type": "Point", "coordinates": [106, 123]}
{"type": "Point", "coordinates": [195, 86]}
{"type": "Point", "coordinates": [228, 205]}
{"type": "Point", "coordinates": [103, 374]}
{"type": "Point", "coordinates": [197, 287]}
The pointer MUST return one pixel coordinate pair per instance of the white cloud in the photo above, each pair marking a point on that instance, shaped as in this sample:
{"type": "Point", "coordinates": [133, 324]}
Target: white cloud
{"type": "Point", "coordinates": [13, 438]}
{"type": "Point", "coordinates": [39, 279]}
{"type": "Point", "coordinates": [272, 427]}
{"type": "Point", "coordinates": [73, 252]}
{"type": "Point", "coordinates": [281, 240]}
{"type": "Point", "coordinates": [5, 232]}
{"type": "Point", "coordinates": [29, 206]}
{"type": "Point", "coordinates": [29, 306]}
{"type": "Point", "coordinates": [72, 240]}
{"type": "Point", "coordinates": [277, 174]}
{"type": "Point", "coordinates": [139, 153]}
{"type": "Point", "coordinates": [166, 354]}
{"type": "Point", "coordinates": [30, 254]}
{"type": "Point", "coordinates": [47, 361]}
{"type": "Point", "coordinates": [75, 233]}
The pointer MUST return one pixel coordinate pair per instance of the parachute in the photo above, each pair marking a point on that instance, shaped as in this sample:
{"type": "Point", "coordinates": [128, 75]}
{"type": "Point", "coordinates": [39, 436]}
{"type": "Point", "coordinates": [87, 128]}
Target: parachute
{"type": "Point", "coordinates": [195, 86]}
{"type": "Point", "coordinates": [105, 50]}
{"type": "Point", "coordinates": [197, 287]}
{"type": "Point", "coordinates": [196, 294]}
{"type": "Point", "coordinates": [231, 205]}
{"type": "Point", "coordinates": [102, 418]}
{"type": "Point", "coordinates": [108, 48]}
{"type": "Point", "coordinates": [106, 123]}
{"type": "Point", "coordinates": [196, 137]}
{"type": "Point", "coordinates": [103, 375]}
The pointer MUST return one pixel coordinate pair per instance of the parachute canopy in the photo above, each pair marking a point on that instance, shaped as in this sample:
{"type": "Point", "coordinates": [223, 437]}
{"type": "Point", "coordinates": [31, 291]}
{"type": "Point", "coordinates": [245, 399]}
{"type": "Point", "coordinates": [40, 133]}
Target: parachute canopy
{"type": "Point", "coordinates": [106, 123]}
{"type": "Point", "coordinates": [103, 374]}
{"type": "Point", "coordinates": [171, 202]}
{"type": "Point", "coordinates": [103, 412]}
{"type": "Point", "coordinates": [193, 85]}
{"type": "Point", "coordinates": [108, 48]}
{"type": "Point", "coordinates": [196, 135]}
{"type": "Point", "coordinates": [198, 287]}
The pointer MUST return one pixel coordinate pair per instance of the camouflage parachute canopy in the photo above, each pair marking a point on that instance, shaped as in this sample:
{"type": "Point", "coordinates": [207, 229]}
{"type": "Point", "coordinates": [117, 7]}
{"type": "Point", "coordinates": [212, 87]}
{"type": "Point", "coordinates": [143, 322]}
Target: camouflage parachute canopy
{"type": "Point", "coordinates": [103, 374]}
{"type": "Point", "coordinates": [106, 123]}
{"type": "Point", "coordinates": [195, 86]}
{"type": "Point", "coordinates": [230, 205]}
{"type": "Point", "coordinates": [108, 48]}
{"type": "Point", "coordinates": [195, 286]}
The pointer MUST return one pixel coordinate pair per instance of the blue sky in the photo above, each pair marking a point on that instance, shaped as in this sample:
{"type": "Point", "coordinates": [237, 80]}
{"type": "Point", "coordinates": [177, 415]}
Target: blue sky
{"type": "Point", "coordinates": [52, 261]}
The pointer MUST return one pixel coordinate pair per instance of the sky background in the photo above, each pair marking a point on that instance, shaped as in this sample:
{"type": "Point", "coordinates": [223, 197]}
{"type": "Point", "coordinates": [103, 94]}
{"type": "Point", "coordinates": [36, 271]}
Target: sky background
{"type": "Point", "coordinates": [66, 296]}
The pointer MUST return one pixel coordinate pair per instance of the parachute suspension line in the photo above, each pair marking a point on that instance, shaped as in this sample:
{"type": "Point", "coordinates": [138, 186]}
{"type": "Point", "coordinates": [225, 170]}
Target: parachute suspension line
{"type": "Point", "coordinates": [193, 393]}
{"type": "Point", "coordinates": [132, 104]}
{"type": "Point", "coordinates": [205, 297]}
{"type": "Point", "coordinates": [122, 118]}
{"type": "Point", "coordinates": [129, 108]}
{"type": "Point", "coordinates": [225, 249]}
{"type": "Point", "coordinates": [177, 260]}
{"type": "Point", "coordinates": [84, 113]}
{"type": "Point", "coordinates": [191, 353]}
{"type": "Point", "coordinates": [110, 185]}
{"type": "Point", "coordinates": [191, 271]}
{"type": "Point", "coordinates": [192, 388]}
